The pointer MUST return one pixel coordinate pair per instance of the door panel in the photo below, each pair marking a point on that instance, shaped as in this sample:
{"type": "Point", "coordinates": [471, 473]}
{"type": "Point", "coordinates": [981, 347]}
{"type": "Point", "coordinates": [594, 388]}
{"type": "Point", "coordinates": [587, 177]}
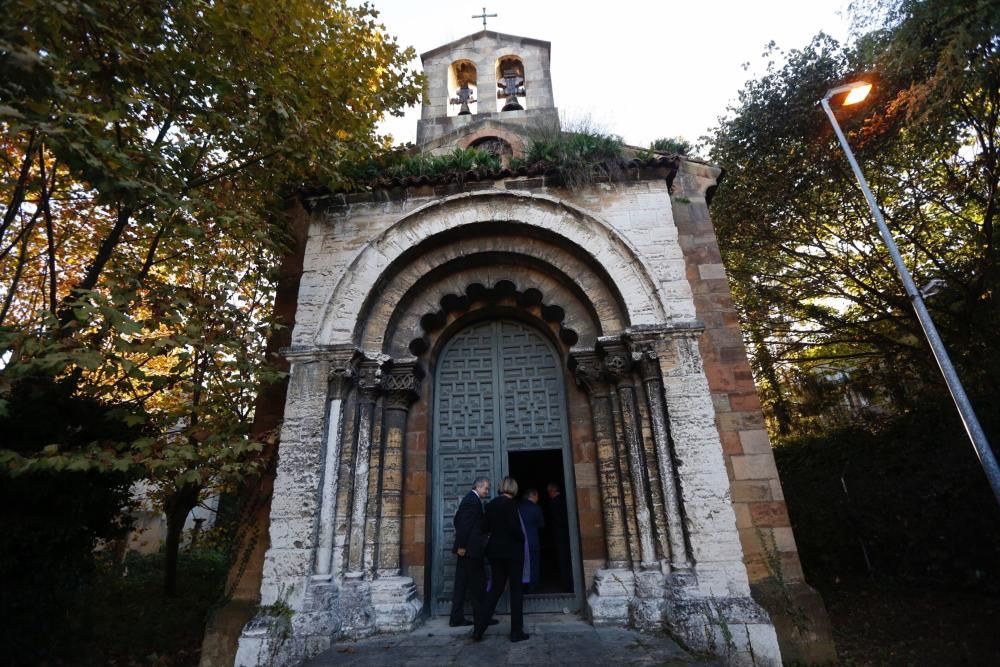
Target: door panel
{"type": "Point", "coordinates": [532, 392]}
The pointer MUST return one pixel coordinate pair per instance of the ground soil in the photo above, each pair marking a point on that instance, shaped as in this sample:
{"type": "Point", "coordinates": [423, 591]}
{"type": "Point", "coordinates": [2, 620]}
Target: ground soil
{"type": "Point", "coordinates": [892, 623]}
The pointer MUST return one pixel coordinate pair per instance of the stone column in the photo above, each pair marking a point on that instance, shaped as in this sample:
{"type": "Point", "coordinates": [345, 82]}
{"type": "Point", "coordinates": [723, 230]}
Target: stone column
{"type": "Point", "coordinates": [614, 584]}
{"type": "Point", "coordinates": [652, 470]}
{"type": "Point", "coordinates": [368, 381]}
{"type": "Point", "coordinates": [372, 514]}
{"type": "Point", "coordinates": [589, 375]}
{"type": "Point", "coordinates": [649, 363]}
{"type": "Point", "coordinates": [624, 475]}
{"type": "Point", "coordinates": [341, 370]}
{"type": "Point", "coordinates": [401, 390]}
{"type": "Point", "coordinates": [617, 364]}
{"type": "Point", "coordinates": [355, 611]}
{"type": "Point", "coordinates": [394, 597]}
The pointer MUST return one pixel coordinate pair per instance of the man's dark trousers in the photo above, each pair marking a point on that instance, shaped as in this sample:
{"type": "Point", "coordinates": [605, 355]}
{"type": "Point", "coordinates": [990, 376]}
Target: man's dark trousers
{"type": "Point", "coordinates": [469, 569]}
{"type": "Point", "coordinates": [470, 579]}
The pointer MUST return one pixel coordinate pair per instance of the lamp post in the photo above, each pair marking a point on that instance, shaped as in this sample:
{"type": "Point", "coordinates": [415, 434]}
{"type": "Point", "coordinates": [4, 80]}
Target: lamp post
{"type": "Point", "coordinates": [856, 92]}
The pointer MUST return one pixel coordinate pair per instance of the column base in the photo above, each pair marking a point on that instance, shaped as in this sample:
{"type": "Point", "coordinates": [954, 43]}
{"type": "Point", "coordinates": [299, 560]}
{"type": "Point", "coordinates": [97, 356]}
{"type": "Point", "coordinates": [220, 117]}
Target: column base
{"type": "Point", "coordinates": [354, 611]}
{"type": "Point", "coordinates": [394, 600]}
{"type": "Point", "coordinates": [611, 596]}
{"type": "Point", "coordinates": [647, 606]}
{"type": "Point", "coordinates": [278, 636]}
{"type": "Point", "coordinates": [734, 628]}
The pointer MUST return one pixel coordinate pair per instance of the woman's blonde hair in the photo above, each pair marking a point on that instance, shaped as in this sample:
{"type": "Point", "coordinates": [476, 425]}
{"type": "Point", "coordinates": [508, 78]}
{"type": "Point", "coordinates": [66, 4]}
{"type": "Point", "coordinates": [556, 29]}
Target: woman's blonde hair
{"type": "Point", "coordinates": [508, 485]}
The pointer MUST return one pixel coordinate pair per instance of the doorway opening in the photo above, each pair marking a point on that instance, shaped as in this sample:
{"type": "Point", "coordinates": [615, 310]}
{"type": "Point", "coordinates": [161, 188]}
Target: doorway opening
{"type": "Point", "coordinates": [539, 470]}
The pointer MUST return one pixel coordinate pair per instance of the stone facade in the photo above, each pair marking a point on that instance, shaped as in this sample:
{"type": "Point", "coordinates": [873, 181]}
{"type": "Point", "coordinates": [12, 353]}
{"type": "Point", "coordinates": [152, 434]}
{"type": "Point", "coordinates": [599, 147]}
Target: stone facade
{"type": "Point", "coordinates": [677, 499]}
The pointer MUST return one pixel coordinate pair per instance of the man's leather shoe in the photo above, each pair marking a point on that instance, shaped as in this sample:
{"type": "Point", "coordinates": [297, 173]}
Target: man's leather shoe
{"type": "Point", "coordinates": [494, 621]}
{"type": "Point", "coordinates": [461, 624]}
{"type": "Point", "coordinates": [477, 636]}
{"type": "Point", "coordinates": [519, 637]}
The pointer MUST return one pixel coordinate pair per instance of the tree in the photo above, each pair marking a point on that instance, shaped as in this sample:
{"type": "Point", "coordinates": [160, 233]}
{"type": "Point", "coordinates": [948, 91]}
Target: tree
{"type": "Point", "coordinates": [811, 277]}
{"type": "Point", "coordinates": [146, 149]}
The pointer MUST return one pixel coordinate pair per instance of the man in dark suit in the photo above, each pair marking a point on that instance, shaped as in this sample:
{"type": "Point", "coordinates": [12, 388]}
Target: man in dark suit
{"type": "Point", "coordinates": [470, 545]}
{"type": "Point", "coordinates": [531, 514]}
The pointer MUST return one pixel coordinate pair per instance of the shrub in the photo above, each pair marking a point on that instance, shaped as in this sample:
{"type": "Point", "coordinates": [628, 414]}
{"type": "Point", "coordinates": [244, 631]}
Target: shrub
{"type": "Point", "coordinates": [908, 495]}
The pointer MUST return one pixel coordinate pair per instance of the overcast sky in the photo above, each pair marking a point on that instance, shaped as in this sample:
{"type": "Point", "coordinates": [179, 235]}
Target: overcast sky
{"type": "Point", "coordinates": [640, 69]}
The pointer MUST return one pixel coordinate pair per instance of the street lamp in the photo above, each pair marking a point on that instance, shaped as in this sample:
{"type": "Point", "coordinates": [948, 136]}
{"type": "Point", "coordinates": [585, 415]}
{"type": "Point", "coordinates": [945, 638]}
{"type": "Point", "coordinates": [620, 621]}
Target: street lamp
{"type": "Point", "coordinates": [856, 92]}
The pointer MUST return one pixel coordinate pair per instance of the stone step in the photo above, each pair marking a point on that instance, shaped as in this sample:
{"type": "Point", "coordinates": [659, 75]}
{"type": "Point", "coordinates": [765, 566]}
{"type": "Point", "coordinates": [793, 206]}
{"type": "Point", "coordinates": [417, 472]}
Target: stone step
{"type": "Point", "coordinates": [556, 639]}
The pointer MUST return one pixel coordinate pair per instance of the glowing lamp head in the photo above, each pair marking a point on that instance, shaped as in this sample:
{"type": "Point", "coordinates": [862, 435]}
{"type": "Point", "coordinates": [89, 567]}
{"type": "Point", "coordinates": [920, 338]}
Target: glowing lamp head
{"type": "Point", "coordinates": [858, 93]}
{"type": "Point", "coordinates": [853, 92]}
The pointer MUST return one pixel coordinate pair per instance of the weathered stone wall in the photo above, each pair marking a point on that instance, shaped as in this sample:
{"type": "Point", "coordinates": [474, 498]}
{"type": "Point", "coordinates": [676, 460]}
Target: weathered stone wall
{"type": "Point", "coordinates": [757, 497]}
{"type": "Point", "coordinates": [244, 578]}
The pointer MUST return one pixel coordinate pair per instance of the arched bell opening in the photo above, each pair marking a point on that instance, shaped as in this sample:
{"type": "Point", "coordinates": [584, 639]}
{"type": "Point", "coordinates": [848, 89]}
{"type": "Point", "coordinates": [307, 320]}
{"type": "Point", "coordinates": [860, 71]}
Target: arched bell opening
{"type": "Point", "coordinates": [463, 89]}
{"type": "Point", "coordinates": [511, 92]}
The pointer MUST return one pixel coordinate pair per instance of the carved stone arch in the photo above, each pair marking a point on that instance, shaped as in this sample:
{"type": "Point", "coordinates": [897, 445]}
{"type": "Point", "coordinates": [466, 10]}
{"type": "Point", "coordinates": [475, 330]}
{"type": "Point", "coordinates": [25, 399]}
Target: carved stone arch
{"type": "Point", "coordinates": [591, 240]}
{"type": "Point", "coordinates": [485, 254]}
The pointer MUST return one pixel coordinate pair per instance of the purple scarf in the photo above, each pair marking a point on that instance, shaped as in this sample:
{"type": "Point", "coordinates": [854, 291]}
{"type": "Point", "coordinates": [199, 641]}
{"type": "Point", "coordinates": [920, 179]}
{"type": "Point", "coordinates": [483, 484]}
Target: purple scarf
{"type": "Point", "coordinates": [526, 577]}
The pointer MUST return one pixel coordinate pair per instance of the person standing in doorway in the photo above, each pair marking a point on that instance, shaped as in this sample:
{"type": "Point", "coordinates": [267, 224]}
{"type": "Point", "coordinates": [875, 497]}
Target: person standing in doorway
{"type": "Point", "coordinates": [559, 521]}
{"type": "Point", "coordinates": [505, 551]}
{"type": "Point", "coordinates": [470, 548]}
{"type": "Point", "coordinates": [534, 522]}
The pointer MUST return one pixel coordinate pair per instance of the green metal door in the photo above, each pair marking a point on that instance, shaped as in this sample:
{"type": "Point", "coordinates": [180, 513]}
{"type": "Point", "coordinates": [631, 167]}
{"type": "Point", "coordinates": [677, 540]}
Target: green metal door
{"type": "Point", "coordinates": [498, 388]}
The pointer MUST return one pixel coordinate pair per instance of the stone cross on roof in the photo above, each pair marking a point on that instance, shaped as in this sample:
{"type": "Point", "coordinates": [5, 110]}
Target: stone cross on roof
{"type": "Point", "coordinates": [483, 16]}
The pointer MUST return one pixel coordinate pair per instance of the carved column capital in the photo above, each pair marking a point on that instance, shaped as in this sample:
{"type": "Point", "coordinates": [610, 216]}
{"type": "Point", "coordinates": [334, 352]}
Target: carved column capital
{"type": "Point", "coordinates": [368, 378]}
{"type": "Point", "coordinates": [401, 384]}
{"type": "Point", "coordinates": [647, 358]}
{"type": "Point", "coordinates": [588, 370]}
{"type": "Point", "coordinates": [617, 361]}
{"type": "Point", "coordinates": [343, 367]}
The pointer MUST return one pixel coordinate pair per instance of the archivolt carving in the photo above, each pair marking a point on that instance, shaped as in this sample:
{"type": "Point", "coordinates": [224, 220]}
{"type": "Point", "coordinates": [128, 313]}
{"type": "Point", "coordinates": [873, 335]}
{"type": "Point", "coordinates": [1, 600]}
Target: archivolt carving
{"type": "Point", "coordinates": [571, 230]}
{"type": "Point", "coordinates": [497, 263]}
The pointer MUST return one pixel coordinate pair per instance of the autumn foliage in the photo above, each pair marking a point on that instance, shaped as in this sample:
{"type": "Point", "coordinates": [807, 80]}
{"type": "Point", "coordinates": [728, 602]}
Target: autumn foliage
{"type": "Point", "coordinates": [145, 150]}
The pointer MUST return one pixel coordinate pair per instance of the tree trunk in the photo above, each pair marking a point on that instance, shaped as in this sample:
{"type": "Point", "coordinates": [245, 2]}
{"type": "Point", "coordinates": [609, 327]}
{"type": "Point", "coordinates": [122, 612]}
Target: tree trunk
{"type": "Point", "coordinates": [177, 507]}
{"type": "Point", "coordinates": [254, 504]}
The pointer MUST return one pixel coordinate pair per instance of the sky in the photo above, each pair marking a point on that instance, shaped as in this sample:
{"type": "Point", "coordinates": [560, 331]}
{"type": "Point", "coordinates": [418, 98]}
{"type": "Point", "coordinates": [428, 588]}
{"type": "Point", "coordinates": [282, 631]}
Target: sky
{"type": "Point", "coordinates": [641, 69]}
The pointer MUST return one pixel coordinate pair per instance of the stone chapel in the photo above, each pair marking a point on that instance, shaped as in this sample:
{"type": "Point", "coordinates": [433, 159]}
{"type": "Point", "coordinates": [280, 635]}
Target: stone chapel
{"type": "Point", "coordinates": [512, 325]}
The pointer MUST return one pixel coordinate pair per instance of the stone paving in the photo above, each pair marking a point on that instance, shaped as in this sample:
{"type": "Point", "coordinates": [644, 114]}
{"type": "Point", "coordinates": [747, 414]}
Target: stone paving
{"type": "Point", "coordinates": [556, 639]}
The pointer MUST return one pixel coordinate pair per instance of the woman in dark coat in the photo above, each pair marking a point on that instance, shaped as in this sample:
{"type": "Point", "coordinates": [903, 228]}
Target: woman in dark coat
{"type": "Point", "coordinates": [505, 551]}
